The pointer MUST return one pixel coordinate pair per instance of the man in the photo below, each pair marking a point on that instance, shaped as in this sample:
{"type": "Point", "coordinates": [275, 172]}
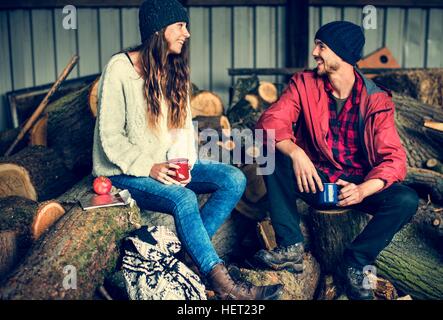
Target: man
{"type": "Point", "coordinates": [334, 125]}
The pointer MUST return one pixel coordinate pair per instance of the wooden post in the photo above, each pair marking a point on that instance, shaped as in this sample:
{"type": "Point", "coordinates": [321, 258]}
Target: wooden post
{"type": "Point", "coordinates": [297, 33]}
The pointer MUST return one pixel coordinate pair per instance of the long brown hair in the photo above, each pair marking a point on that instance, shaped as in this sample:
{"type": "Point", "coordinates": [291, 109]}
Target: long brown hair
{"type": "Point", "coordinates": [174, 80]}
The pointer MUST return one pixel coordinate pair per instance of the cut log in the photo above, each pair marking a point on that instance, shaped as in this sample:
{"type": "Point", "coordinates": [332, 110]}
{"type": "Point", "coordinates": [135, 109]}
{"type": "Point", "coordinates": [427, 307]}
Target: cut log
{"type": "Point", "coordinates": [332, 231]}
{"type": "Point", "coordinates": [254, 101]}
{"type": "Point", "coordinates": [426, 182]}
{"type": "Point", "coordinates": [93, 97]}
{"type": "Point", "coordinates": [267, 91]}
{"type": "Point", "coordinates": [36, 173]}
{"type": "Point", "coordinates": [434, 125]}
{"type": "Point", "coordinates": [412, 264]}
{"type": "Point", "coordinates": [23, 221]}
{"type": "Point", "coordinates": [71, 130]}
{"type": "Point", "coordinates": [78, 252]}
{"type": "Point", "coordinates": [434, 164]}
{"type": "Point", "coordinates": [410, 116]}
{"type": "Point", "coordinates": [429, 220]}
{"type": "Point", "coordinates": [434, 131]}
{"type": "Point", "coordinates": [217, 123]}
{"type": "Point", "coordinates": [206, 103]}
{"type": "Point", "coordinates": [38, 133]}
{"type": "Point", "coordinates": [424, 85]}
{"type": "Point", "coordinates": [266, 234]}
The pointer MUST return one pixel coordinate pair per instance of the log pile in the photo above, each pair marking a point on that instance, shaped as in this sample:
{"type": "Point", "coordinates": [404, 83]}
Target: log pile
{"type": "Point", "coordinates": [32, 261]}
{"type": "Point", "coordinates": [72, 259]}
{"type": "Point", "coordinates": [425, 85]}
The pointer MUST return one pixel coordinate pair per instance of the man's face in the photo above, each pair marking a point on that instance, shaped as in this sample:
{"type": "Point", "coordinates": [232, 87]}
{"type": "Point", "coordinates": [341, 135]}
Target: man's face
{"type": "Point", "coordinates": [327, 61]}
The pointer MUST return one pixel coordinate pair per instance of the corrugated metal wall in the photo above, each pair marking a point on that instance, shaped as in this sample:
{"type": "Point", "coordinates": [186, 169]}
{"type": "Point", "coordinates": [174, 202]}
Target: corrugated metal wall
{"type": "Point", "coordinates": [34, 48]}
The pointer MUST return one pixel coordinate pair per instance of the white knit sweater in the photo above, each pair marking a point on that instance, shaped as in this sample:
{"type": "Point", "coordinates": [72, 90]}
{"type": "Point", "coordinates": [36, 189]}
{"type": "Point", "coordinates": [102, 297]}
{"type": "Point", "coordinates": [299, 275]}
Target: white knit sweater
{"type": "Point", "coordinates": [123, 143]}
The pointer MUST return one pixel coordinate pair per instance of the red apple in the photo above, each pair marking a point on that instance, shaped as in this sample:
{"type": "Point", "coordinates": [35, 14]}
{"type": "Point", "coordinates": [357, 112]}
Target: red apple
{"type": "Point", "coordinates": [102, 185]}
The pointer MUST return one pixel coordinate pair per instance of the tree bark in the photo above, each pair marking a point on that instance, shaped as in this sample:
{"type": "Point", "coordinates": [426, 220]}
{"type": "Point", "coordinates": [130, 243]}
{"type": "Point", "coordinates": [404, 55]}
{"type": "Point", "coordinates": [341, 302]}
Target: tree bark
{"type": "Point", "coordinates": [81, 249]}
{"type": "Point", "coordinates": [70, 130]}
{"type": "Point", "coordinates": [424, 85]}
{"type": "Point", "coordinates": [410, 117]}
{"type": "Point", "coordinates": [7, 138]}
{"type": "Point", "coordinates": [9, 253]}
{"type": "Point", "coordinates": [36, 173]}
{"type": "Point", "coordinates": [412, 264]}
{"type": "Point", "coordinates": [296, 286]}
{"type": "Point", "coordinates": [22, 221]}
{"type": "Point", "coordinates": [332, 231]}
{"type": "Point", "coordinates": [426, 182]}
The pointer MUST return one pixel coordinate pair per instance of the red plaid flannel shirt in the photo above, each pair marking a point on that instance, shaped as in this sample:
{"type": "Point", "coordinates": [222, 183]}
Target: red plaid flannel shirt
{"type": "Point", "coordinates": [343, 138]}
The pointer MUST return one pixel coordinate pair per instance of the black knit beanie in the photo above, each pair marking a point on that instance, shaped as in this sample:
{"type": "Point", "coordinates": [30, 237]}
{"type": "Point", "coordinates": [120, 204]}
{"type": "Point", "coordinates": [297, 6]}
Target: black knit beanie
{"type": "Point", "coordinates": [344, 38]}
{"type": "Point", "coordinates": [154, 15]}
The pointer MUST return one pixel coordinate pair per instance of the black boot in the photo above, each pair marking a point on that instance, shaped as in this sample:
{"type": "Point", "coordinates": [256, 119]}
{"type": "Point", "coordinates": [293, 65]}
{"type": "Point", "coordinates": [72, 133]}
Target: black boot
{"type": "Point", "coordinates": [283, 258]}
{"type": "Point", "coordinates": [352, 281]}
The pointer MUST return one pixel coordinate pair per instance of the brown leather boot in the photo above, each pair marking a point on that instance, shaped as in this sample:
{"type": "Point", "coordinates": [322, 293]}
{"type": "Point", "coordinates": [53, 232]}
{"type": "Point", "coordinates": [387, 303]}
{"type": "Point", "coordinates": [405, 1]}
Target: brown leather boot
{"type": "Point", "coordinates": [223, 285]}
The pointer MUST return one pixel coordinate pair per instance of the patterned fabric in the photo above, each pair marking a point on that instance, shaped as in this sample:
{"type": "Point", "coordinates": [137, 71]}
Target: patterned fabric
{"type": "Point", "coordinates": [152, 272]}
{"type": "Point", "coordinates": [343, 137]}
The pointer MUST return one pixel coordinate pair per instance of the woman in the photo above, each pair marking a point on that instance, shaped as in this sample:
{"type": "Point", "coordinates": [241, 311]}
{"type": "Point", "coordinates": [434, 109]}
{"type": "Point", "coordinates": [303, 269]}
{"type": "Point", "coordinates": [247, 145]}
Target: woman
{"type": "Point", "coordinates": [143, 120]}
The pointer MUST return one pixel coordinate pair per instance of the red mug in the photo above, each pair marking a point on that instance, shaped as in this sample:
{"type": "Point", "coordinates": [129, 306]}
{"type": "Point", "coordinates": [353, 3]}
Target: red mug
{"type": "Point", "coordinates": [184, 168]}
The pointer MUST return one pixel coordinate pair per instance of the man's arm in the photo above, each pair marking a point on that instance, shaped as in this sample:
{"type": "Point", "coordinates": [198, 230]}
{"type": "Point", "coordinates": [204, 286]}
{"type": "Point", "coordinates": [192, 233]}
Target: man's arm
{"type": "Point", "coordinates": [304, 170]}
{"type": "Point", "coordinates": [352, 194]}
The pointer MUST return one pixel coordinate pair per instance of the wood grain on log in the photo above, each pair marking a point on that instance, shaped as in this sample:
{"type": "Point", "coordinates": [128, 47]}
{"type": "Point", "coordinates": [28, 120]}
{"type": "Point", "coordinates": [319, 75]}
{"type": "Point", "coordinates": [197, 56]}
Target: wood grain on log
{"type": "Point", "coordinates": [267, 91]}
{"type": "Point", "coordinates": [25, 221]}
{"type": "Point", "coordinates": [206, 103]}
{"type": "Point", "coordinates": [36, 173]}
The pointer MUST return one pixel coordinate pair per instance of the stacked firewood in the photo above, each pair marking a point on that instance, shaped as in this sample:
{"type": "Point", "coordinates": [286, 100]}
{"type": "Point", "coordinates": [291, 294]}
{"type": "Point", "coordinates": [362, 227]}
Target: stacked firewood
{"type": "Point", "coordinates": [43, 229]}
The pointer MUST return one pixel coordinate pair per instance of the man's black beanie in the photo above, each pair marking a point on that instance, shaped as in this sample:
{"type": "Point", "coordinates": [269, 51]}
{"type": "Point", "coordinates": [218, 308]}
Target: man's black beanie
{"type": "Point", "coordinates": [344, 38]}
{"type": "Point", "coordinates": [154, 15]}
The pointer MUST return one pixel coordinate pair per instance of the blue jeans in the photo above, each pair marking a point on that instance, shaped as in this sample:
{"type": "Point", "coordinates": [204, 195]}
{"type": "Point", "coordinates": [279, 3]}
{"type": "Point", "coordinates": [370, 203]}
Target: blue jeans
{"type": "Point", "coordinates": [195, 227]}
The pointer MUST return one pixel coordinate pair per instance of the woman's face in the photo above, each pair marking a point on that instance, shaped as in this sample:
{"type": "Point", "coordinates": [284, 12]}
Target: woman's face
{"type": "Point", "coordinates": [176, 35]}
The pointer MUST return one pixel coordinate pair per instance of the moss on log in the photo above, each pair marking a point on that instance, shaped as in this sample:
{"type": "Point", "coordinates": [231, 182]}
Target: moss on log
{"type": "Point", "coordinates": [85, 242]}
{"type": "Point", "coordinates": [412, 264]}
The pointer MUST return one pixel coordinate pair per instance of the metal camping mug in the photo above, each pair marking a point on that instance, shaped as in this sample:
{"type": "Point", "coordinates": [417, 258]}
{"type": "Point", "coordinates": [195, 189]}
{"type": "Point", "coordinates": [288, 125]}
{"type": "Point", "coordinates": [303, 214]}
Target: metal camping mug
{"type": "Point", "coordinates": [329, 195]}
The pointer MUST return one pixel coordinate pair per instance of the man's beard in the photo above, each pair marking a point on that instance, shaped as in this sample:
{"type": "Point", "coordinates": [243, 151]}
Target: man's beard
{"type": "Point", "coordinates": [328, 68]}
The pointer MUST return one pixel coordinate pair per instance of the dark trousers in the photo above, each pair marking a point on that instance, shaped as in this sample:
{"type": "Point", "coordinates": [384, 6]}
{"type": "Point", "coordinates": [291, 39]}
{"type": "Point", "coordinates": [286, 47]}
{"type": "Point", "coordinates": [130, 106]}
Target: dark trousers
{"type": "Point", "coordinates": [391, 209]}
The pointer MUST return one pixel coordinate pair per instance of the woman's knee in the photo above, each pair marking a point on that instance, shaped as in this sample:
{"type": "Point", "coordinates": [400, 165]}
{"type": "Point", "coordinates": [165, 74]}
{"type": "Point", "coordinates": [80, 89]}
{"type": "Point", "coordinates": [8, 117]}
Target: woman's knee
{"type": "Point", "coordinates": [185, 202]}
{"type": "Point", "coordinates": [235, 180]}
